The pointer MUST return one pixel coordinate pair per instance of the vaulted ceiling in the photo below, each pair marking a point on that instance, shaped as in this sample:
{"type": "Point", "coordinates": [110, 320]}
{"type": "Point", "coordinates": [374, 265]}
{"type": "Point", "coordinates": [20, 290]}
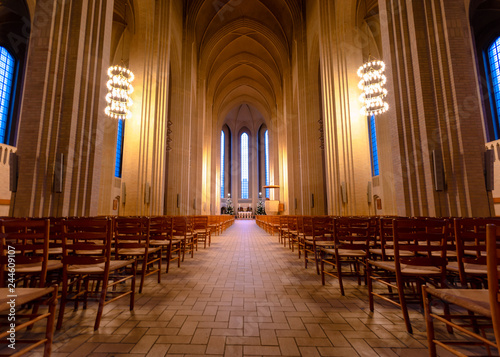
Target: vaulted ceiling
{"type": "Point", "coordinates": [243, 49]}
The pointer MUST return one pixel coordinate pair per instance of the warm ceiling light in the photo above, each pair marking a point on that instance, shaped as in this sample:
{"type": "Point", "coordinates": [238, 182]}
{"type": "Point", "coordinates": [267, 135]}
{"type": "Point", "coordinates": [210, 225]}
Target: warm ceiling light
{"type": "Point", "coordinates": [119, 90]}
{"type": "Point", "coordinates": [372, 84]}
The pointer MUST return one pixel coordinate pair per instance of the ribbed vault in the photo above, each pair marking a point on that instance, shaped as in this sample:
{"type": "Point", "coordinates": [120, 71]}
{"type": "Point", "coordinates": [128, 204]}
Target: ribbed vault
{"type": "Point", "coordinates": [243, 51]}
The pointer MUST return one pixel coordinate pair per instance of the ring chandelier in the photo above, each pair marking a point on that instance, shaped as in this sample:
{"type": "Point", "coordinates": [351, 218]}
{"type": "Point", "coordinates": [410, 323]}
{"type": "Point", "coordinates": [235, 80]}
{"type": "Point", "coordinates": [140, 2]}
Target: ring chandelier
{"type": "Point", "coordinates": [372, 84]}
{"type": "Point", "coordinates": [119, 90]}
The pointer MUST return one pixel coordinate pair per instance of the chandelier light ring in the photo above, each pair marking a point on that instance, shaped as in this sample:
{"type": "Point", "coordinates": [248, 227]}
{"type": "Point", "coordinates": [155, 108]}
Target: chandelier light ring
{"type": "Point", "coordinates": [372, 84]}
{"type": "Point", "coordinates": [119, 90]}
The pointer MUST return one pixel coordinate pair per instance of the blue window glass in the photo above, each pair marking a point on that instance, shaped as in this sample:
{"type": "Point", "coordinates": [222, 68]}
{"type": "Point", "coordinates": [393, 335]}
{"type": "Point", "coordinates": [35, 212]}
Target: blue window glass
{"type": "Point", "coordinates": [244, 166]}
{"type": "Point", "coordinates": [494, 63]}
{"type": "Point", "coordinates": [266, 149]}
{"type": "Point", "coordinates": [119, 148]}
{"type": "Point", "coordinates": [222, 152]}
{"type": "Point", "coordinates": [7, 66]}
{"type": "Point", "coordinates": [373, 145]}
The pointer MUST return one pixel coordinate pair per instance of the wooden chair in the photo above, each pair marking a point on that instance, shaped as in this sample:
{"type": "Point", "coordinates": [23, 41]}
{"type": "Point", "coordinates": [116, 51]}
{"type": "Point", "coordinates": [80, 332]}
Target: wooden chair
{"type": "Point", "coordinates": [470, 238]}
{"type": "Point", "coordinates": [29, 239]}
{"type": "Point", "coordinates": [352, 238]}
{"type": "Point", "coordinates": [45, 296]}
{"type": "Point", "coordinates": [182, 230]}
{"type": "Point", "coordinates": [202, 230]}
{"type": "Point", "coordinates": [422, 237]}
{"type": "Point", "coordinates": [484, 303]}
{"type": "Point", "coordinates": [305, 236]}
{"type": "Point", "coordinates": [292, 232]}
{"type": "Point", "coordinates": [132, 240]}
{"type": "Point", "coordinates": [87, 259]}
{"type": "Point", "coordinates": [283, 229]}
{"type": "Point", "coordinates": [161, 236]}
{"type": "Point", "coordinates": [319, 238]}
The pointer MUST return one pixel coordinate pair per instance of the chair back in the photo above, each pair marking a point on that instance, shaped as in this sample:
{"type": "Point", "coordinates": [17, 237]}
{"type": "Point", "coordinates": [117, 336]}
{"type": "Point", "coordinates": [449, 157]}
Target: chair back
{"type": "Point", "coordinates": [493, 262]}
{"type": "Point", "coordinates": [200, 223]}
{"type": "Point", "coordinates": [180, 226]}
{"type": "Point", "coordinates": [307, 226]}
{"type": "Point", "coordinates": [86, 241]}
{"type": "Point", "coordinates": [24, 242]}
{"type": "Point", "coordinates": [353, 233]}
{"type": "Point", "coordinates": [386, 240]}
{"type": "Point", "coordinates": [321, 228]}
{"type": "Point", "coordinates": [425, 238]}
{"type": "Point", "coordinates": [131, 233]}
{"type": "Point", "coordinates": [160, 228]}
{"type": "Point", "coordinates": [470, 242]}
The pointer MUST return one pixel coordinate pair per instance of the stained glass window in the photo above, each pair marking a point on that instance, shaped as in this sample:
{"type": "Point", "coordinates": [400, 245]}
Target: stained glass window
{"type": "Point", "coordinates": [222, 152]}
{"type": "Point", "coordinates": [119, 148]}
{"type": "Point", "coordinates": [7, 66]}
{"type": "Point", "coordinates": [266, 149]}
{"type": "Point", "coordinates": [494, 62]}
{"type": "Point", "coordinates": [373, 145]}
{"type": "Point", "coordinates": [244, 166]}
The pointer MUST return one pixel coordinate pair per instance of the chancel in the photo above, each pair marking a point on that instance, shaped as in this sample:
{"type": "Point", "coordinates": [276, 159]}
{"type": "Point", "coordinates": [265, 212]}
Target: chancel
{"type": "Point", "coordinates": [277, 142]}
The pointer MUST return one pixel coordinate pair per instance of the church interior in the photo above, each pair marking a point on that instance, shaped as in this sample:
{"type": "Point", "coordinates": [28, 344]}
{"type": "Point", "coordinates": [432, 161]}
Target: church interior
{"type": "Point", "coordinates": [226, 109]}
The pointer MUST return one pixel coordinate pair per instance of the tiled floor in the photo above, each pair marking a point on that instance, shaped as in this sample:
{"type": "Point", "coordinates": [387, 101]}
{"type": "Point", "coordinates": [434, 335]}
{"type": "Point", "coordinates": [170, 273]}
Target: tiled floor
{"type": "Point", "coordinates": [246, 295]}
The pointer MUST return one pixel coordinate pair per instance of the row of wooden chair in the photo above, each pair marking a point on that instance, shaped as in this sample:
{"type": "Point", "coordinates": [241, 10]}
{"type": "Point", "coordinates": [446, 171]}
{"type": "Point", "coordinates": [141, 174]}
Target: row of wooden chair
{"type": "Point", "coordinates": [96, 256]}
{"type": "Point", "coordinates": [400, 253]}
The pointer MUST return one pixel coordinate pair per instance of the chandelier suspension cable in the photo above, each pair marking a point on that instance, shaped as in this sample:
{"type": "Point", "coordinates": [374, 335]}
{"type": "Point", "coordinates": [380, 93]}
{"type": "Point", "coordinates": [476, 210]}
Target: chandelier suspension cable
{"type": "Point", "coordinates": [119, 87]}
{"type": "Point", "coordinates": [372, 84]}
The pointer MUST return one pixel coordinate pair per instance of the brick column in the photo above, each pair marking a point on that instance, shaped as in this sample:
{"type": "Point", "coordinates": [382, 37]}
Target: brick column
{"type": "Point", "coordinates": [434, 101]}
{"type": "Point", "coordinates": [63, 108]}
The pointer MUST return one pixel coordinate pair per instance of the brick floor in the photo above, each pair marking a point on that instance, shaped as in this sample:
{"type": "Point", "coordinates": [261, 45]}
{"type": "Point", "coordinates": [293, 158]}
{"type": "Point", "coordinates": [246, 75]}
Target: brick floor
{"type": "Point", "coordinates": [246, 295]}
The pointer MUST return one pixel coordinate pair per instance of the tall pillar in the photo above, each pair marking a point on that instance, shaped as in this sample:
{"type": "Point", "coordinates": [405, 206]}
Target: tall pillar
{"type": "Point", "coordinates": [434, 101]}
{"type": "Point", "coordinates": [346, 141]}
{"type": "Point", "coordinates": [63, 108]}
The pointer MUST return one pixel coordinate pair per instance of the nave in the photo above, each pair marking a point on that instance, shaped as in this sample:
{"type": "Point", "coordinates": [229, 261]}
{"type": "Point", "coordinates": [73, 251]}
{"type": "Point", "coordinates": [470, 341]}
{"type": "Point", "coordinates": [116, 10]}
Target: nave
{"type": "Point", "coordinates": [246, 295]}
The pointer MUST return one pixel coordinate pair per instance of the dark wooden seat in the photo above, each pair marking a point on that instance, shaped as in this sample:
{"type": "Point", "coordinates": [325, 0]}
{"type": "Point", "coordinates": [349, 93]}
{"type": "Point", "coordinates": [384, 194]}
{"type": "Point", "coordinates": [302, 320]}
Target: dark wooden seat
{"type": "Point", "coordinates": [484, 304]}
{"type": "Point", "coordinates": [86, 244]}
{"type": "Point", "coordinates": [424, 238]}
{"type": "Point", "coordinates": [132, 240]}
{"type": "Point", "coordinates": [39, 296]}
{"type": "Point", "coordinates": [351, 244]}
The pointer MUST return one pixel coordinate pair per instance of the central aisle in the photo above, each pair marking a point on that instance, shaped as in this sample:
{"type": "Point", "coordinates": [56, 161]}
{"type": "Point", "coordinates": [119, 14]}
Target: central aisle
{"type": "Point", "coordinates": [246, 295]}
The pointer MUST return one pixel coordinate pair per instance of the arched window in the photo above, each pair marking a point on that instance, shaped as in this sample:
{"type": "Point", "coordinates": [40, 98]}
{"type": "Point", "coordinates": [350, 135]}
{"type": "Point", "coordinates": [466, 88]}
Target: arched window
{"type": "Point", "coordinates": [266, 158]}
{"type": "Point", "coordinates": [222, 150]}
{"type": "Point", "coordinates": [244, 166]}
{"type": "Point", "coordinates": [119, 148]}
{"type": "Point", "coordinates": [372, 132]}
{"type": "Point", "coordinates": [493, 56]}
{"type": "Point", "coordinates": [7, 70]}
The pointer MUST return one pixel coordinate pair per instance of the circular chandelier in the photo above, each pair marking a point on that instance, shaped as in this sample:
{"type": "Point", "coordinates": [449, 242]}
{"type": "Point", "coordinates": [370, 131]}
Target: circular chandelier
{"type": "Point", "coordinates": [119, 90]}
{"type": "Point", "coordinates": [372, 84]}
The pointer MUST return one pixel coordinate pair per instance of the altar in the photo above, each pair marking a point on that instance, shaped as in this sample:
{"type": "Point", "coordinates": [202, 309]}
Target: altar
{"type": "Point", "coordinates": [245, 214]}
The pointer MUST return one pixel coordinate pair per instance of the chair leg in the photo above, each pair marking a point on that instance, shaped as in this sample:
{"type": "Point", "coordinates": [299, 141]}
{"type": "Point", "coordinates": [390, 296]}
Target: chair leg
{"type": "Point", "coordinates": [315, 249]}
{"type": "Point", "coordinates": [64, 297]}
{"type": "Point", "coordinates": [102, 302]}
{"type": "Point", "coordinates": [143, 272]}
{"type": "Point", "coordinates": [159, 255]}
{"type": "Point", "coordinates": [168, 254]}
{"type": "Point", "coordinates": [429, 324]}
{"type": "Point", "coordinates": [322, 270]}
{"type": "Point", "coordinates": [402, 302]}
{"type": "Point", "coordinates": [338, 264]}
{"type": "Point", "coordinates": [132, 285]}
{"type": "Point", "coordinates": [370, 285]}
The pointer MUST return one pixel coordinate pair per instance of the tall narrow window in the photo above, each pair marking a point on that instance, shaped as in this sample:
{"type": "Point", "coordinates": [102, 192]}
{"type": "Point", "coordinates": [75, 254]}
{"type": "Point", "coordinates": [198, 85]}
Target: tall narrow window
{"type": "Point", "coordinates": [494, 71]}
{"type": "Point", "coordinates": [244, 166]}
{"type": "Point", "coordinates": [7, 66]}
{"type": "Point", "coordinates": [266, 154]}
{"type": "Point", "coordinates": [373, 145]}
{"type": "Point", "coordinates": [222, 151]}
{"type": "Point", "coordinates": [119, 148]}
